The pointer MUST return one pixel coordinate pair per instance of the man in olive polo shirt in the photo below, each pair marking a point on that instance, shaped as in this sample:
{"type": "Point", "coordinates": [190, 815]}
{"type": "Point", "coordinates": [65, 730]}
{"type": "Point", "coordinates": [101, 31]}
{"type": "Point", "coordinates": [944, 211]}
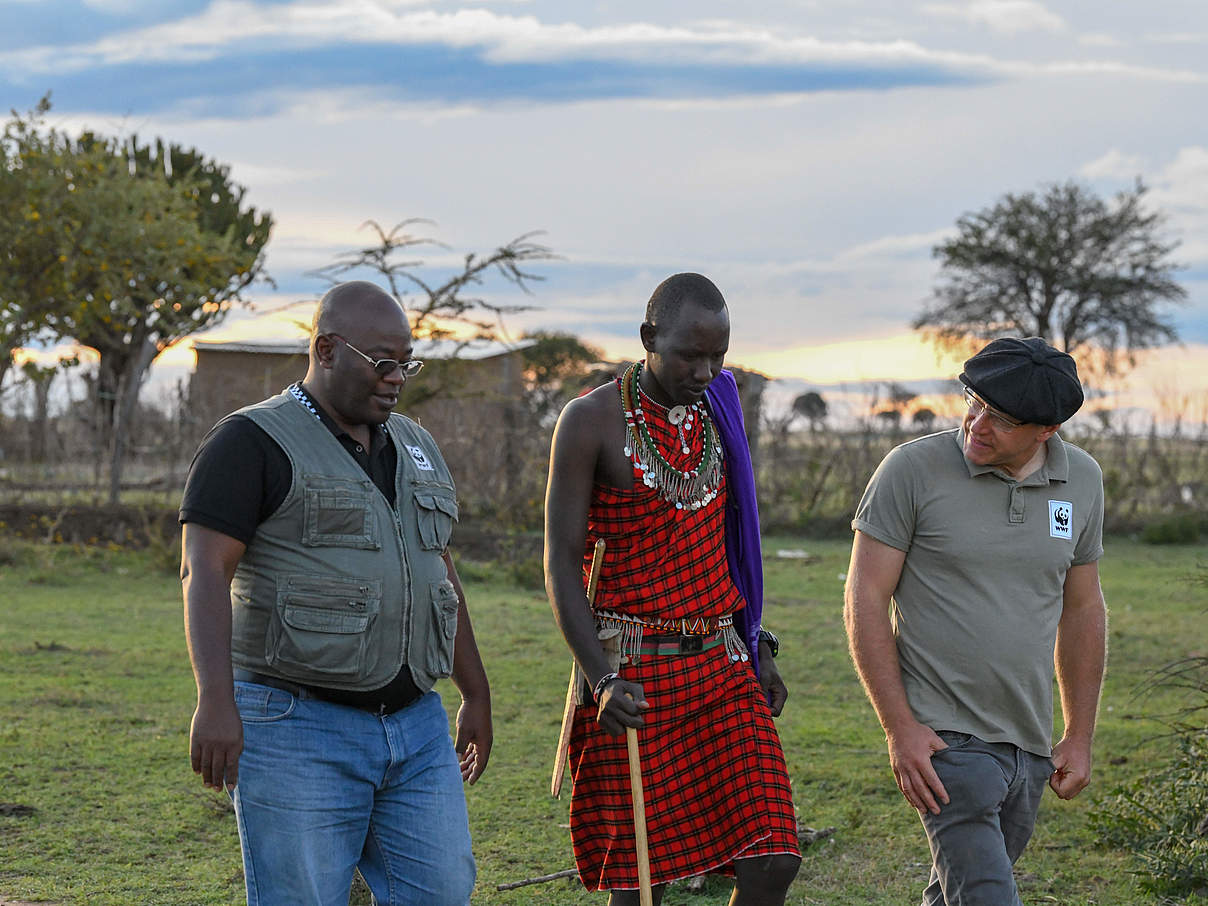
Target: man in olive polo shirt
{"type": "Point", "coordinates": [975, 560]}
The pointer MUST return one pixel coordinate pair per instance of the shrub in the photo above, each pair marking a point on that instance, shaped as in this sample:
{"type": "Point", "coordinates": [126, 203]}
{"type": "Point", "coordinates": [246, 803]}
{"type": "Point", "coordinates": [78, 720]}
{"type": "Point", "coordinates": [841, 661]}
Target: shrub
{"type": "Point", "coordinates": [1162, 816]}
{"type": "Point", "coordinates": [1163, 819]}
{"type": "Point", "coordinates": [1180, 528]}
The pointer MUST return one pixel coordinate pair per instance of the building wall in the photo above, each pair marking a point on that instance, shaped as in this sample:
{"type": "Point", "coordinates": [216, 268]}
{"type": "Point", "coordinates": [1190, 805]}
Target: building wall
{"type": "Point", "coordinates": [471, 406]}
{"type": "Point", "coordinates": [226, 381]}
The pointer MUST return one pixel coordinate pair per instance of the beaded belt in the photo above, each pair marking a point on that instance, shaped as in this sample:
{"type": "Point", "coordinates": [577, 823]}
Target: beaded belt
{"type": "Point", "coordinates": [682, 626]}
{"type": "Point", "coordinates": [624, 633]}
{"type": "Point", "coordinates": [681, 644]}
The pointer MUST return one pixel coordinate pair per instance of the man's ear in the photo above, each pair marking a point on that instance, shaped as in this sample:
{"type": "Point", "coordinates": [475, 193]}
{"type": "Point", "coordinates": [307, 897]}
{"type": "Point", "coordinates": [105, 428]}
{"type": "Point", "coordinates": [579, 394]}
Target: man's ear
{"type": "Point", "coordinates": [1046, 432]}
{"type": "Point", "coordinates": [324, 350]}
{"type": "Point", "coordinates": [647, 332]}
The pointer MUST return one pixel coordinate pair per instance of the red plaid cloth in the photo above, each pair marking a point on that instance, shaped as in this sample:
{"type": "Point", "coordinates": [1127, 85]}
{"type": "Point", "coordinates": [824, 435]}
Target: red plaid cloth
{"type": "Point", "coordinates": [713, 775]}
{"type": "Point", "coordinates": [660, 561]}
{"type": "Point", "coordinates": [715, 781]}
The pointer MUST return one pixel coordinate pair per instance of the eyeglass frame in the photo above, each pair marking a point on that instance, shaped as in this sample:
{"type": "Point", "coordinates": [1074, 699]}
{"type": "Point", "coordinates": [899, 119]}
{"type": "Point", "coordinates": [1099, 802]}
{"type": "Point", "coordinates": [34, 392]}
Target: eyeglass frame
{"type": "Point", "coordinates": [378, 364]}
{"type": "Point", "coordinates": [998, 418]}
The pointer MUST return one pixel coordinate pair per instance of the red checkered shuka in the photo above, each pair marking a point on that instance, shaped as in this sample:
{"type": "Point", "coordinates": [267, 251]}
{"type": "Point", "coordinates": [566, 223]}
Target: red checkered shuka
{"type": "Point", "coordinates": [716, 786]}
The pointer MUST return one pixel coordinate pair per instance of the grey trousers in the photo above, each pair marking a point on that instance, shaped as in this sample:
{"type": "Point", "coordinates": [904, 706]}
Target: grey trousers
{"type": "Point", "coordinates": [994, 791]}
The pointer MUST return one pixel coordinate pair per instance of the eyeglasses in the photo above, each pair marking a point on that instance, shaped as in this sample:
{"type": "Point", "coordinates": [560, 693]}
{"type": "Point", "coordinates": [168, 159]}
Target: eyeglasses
{"type": "Point", "coordinates": [999, 420]}
{"type": "Point", "coordinates": [385, 367]}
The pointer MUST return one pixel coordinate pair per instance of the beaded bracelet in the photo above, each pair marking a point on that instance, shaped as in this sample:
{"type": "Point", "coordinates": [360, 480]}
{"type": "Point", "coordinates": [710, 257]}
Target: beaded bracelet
{"type": "Point", "coordinates": [600, 686]}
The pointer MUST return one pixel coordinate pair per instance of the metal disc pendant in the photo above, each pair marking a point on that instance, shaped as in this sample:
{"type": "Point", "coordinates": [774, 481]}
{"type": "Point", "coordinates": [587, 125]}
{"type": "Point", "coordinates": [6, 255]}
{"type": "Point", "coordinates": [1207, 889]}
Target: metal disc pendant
{"type": "Point", "coordinates": [676, 414]}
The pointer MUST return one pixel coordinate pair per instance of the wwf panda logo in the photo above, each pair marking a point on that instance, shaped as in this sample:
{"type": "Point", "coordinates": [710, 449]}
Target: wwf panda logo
{"type": "Point", "coordinates": [1061, 519]}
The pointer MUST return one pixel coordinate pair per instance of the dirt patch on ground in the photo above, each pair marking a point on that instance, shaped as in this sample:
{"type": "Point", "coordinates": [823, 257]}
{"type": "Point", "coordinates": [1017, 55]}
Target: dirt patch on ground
{"type": "Point", "coordinates": [5, 901]}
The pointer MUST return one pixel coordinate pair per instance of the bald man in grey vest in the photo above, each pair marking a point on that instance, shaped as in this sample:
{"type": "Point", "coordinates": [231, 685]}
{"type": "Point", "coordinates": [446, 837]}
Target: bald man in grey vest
{"type": "Point", "coordinates": [321, 606]}
{"type": "Point", "coordinates": [974, 567]}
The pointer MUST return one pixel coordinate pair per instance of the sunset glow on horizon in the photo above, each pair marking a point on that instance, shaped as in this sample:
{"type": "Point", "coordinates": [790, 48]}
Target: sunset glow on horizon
{"type": "Point", "coordinates": [904, 357]}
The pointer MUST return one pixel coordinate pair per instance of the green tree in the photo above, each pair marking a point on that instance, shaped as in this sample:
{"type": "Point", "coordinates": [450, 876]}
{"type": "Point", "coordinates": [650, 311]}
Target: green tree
{"type": "Point", "coordinates": [38, 171]}
{"type": "Point", "coordinates": [1089, 276]}
{"type": "Point", "coordinates": [555, 367]}
{"type": "Point", "coordinates": [143, 251]}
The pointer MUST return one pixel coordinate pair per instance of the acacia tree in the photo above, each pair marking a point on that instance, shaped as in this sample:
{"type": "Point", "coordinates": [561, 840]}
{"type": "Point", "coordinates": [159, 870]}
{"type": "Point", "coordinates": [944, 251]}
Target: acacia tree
{"type": "Point", "coordinates": [430, 301]}
{"type": "Point", "coordinates": [141, 255]}
{"type": "Point", "coordinates": [204, 248]}
{"type": "Point", "coordinates": [1065, 265]}
{"type": "Point", "coordinates": [812, 407]}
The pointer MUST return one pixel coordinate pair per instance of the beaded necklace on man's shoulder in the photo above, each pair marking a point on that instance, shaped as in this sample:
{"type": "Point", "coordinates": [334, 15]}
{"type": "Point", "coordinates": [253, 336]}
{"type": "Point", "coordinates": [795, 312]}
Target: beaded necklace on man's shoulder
{"type": "Point", "coordinates": [688, 489]}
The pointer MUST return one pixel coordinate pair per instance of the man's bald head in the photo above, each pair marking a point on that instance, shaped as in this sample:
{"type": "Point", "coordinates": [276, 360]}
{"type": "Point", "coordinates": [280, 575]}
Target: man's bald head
{"type": "Point", "coordinates": [356, 326]}
{"type": "Point", "coordinates": [350, 307]}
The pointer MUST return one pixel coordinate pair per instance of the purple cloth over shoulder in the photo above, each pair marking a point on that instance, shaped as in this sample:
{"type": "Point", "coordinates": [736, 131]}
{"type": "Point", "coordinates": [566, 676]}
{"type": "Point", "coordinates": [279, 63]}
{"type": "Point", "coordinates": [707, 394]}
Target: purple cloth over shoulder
{"type": "Point", "coordinates": [743, 550]}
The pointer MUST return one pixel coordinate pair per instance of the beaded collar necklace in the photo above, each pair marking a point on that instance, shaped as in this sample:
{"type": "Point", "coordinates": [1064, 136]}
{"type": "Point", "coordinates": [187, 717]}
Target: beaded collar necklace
{"type": "Point", "coordinates": [687, 489]}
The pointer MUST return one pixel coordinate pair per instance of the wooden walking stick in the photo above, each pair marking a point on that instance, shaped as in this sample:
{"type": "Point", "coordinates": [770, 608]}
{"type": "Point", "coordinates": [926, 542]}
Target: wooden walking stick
{"type": "Point", "coordinates": [645, 895]}
{"type": "Point", "coordinates": [568, 710]}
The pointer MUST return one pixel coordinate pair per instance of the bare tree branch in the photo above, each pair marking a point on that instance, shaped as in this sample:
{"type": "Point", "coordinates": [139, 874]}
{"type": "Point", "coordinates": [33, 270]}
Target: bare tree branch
{"type": "Point", "coordinates": [429, 303]}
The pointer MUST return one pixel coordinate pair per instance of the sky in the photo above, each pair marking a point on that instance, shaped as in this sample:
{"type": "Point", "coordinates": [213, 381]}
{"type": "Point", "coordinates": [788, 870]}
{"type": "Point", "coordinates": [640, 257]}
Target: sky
{"type": "Point", "coordinates": [806, 155]}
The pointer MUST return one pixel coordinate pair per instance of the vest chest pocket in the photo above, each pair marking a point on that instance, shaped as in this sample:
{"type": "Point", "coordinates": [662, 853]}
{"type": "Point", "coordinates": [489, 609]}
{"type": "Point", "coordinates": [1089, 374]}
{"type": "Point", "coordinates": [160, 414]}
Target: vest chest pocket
{"type": "Point", "coordinates": [436, 511]}
{"type": "Point", "coordinates": [320, 626]}
{"type": "Point", "coordinates": [338, 513]}
{"type": "Point", "coordinates": [444, 628]}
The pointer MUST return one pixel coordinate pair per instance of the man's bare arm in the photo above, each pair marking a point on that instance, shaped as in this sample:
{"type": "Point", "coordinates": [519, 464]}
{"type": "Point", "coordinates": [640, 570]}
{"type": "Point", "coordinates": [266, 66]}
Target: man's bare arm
{"type": "Point", "coordinates": [207, 566]}
{"type": "Point", "coordinates": [573, 461]}
{"type": "Point", "coordinates": [1079, 658]}
{"type": "Point", "coordinates": [872, 577]}
{"type": "Point", "coordinates": [475, 733]}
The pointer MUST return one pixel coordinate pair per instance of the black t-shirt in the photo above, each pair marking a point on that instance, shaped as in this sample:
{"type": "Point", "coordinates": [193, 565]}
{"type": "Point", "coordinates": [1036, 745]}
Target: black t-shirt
{"type": "Point", "coordinates": [240, 476]}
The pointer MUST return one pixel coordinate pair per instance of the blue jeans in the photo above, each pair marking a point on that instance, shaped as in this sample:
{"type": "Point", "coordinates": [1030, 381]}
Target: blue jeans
{"type": "Point", "coordinates": [994, 792]}
{"type": "Point", "coordinates": [325, 788]}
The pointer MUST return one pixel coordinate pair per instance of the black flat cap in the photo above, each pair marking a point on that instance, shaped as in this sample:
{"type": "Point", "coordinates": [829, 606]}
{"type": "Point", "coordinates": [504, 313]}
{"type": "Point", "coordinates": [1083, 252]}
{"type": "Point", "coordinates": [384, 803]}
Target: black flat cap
{"type": "Point", "coordinates": [1027, 379]}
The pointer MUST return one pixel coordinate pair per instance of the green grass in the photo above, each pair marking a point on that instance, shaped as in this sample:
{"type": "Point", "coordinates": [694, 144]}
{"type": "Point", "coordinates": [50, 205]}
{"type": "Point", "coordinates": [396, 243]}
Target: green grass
{"type": "Point", "coordinates": [96, 697]}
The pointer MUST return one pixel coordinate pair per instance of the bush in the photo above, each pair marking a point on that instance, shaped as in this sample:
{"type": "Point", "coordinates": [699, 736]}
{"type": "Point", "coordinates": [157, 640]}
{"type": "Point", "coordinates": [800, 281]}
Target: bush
{"type": "Point", "coordinates": [1180, 528]}
{"type": "Point", "coordinates": [1163, 819]}
{"type": "Point", "coordinates": [1162, 816]}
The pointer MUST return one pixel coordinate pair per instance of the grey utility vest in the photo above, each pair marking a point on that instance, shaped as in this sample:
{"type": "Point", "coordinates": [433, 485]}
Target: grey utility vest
{"type": "Point", "coordinates": [338, 589]}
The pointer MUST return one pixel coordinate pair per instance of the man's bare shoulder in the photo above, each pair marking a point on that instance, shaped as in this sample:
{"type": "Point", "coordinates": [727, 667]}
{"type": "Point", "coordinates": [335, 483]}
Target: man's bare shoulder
{"type": "Point", "coordinates": [594, 408]}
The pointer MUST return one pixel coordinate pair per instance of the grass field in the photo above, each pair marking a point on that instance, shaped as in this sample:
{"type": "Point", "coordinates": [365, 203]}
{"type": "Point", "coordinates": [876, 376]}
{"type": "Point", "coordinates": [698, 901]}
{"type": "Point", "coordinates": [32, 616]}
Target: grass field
{"type": "Point", "coordinates": [99, 805]}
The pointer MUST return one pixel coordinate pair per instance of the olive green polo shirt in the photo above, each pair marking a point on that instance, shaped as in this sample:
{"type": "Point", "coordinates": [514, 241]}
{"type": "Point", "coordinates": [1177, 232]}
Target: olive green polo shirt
{"type": "Point", "coordinates": [976, 609]}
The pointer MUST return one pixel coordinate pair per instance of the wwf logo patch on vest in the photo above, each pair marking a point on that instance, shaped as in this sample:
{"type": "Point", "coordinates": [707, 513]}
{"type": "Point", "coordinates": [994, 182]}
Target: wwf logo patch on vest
{"type": "Point", "coordinates": [420, 458]}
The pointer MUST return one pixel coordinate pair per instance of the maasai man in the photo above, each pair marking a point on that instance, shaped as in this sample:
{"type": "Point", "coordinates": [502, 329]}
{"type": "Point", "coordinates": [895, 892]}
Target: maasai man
{"type": "Point", "coordinates": [648, 463]}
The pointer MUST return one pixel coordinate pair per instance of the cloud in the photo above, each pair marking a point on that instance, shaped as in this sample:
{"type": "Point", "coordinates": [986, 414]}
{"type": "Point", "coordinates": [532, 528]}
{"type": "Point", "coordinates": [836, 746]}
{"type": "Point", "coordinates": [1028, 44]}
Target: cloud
{"type": "Point", "coordinates": [1178, 38]}
{"type": "Point", "coordinates": [118, 7]}
{"type": "Point", "coordinates": [1100, 39]}
{"type": "Point", "coordinates": [244, 59]}
{"type": "Point", "coordinates": [226, 24]}
{"type": "Point", "coordinates": [1114, 165]}
{"type": "Point", "coordinates": [1177, 188]}
{"type": "Point", "coordinates": [1006, 16]}
{"type": "Point", "coordinates": [228, 27]}
{"type": "Point", "coordinates": [895, 246]}
{"type": "Point", "coordinates": [1180, 190]}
